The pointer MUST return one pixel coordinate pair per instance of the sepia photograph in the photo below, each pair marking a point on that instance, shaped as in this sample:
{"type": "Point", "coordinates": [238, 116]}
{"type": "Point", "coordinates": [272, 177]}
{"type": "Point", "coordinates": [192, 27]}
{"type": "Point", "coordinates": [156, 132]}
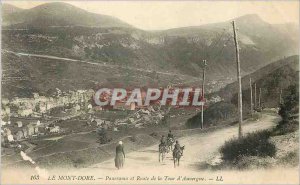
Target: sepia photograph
{"type": "Point", "coordinates": [149, 92]}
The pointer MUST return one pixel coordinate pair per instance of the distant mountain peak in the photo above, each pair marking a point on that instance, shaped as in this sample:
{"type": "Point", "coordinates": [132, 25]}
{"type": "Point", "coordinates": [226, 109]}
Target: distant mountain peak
{"type": "Point", "coordinates": [8, 8]}
{"type": "Point", "coordinates": [250, 18]}
{"type": "Point", "coordinates": [60, 14]}
{"type": "Point", "coordinates": [57, 6]}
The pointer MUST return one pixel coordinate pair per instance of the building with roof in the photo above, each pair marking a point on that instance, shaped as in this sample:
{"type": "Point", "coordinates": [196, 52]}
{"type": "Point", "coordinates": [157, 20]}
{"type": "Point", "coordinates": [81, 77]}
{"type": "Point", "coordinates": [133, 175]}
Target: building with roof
{"type": "Point", "coordinates": [19, 124]}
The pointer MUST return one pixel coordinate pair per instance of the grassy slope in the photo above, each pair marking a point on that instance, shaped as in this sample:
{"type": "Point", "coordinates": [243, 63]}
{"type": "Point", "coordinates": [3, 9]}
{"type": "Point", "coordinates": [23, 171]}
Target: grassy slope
{"type": "Point", "coordinates": [271, 78]}
{"type": "Point", "coordinates": [24, 75]}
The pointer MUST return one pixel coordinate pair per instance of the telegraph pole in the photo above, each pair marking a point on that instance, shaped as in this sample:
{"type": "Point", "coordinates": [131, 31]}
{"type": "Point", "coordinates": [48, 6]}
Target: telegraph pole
{"type": "Point", "coordinates": [259, 98]}
{"type": "Point", "coordinates": [255, 95]}
{"type": "Point", "coordinates": [280, 97]}
{"type": "Point", "coordinates": [240, 101]}
{"type": "Point", "coordinates": [202, 106]}
{"type": "Point", "coordinates": [251, 99]}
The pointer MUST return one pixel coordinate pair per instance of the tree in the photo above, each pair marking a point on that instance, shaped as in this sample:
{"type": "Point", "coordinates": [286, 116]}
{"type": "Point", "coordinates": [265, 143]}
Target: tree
{"type": "Point", "coordinates": [290, 103]}
{"type": "Point", "coordinates": [102, 136]}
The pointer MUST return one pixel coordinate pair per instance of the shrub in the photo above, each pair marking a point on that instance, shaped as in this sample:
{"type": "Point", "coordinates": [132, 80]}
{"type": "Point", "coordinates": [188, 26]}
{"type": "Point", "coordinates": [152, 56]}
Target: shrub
{"type": "Point", "coordinates": [165, 120]}
{"type": "Point", "coordinates": [255, 116]}
{"type": "Point", "coordinates": [133, 138]}
{"type": "Point", "coordinates": [290, 103]}
{"type": "Point", "coordinates": [154, 134]}
{"type": "Point", "coordinates": [102, 136]}
{"type": "Point", "coordinates": [77, 162]}
{"type": "Point", "coordinates": [254, 162]}
{"type": "Point", "coordinates": [285, 127]}
{"type": "Point", "coordinates": [288, 111]}
{"type": "Point", "coordinates": [290, 159]}
{"type": "Point", "coordinates": [254, 144]}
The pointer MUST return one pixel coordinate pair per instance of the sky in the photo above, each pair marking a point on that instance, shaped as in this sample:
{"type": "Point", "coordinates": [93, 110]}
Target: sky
{"type": "Point", "coordinates": [157, 15]}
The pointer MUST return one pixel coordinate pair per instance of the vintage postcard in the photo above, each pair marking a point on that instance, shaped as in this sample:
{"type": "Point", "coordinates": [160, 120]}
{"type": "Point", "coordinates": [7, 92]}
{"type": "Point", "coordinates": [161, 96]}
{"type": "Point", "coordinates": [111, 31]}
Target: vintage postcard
{"type": "Point", "coordinates": [149, 92]}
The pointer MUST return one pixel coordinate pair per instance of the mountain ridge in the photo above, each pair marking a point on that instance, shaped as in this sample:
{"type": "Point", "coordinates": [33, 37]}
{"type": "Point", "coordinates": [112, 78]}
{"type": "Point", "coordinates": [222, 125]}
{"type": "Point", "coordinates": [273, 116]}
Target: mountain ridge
{"type": "Point", "coordinates": [61, 6]}
{"type": "Point", "coordinates": [178, 50]}
{"type": "Point", "coordinates": [60, 14]}
{"type": "Point", "coordinates": [8, 8]}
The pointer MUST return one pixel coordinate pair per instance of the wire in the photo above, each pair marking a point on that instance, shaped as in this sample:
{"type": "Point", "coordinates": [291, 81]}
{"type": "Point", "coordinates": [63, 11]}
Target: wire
{"type": "Point", "coordinates": [217, 43]}
{"type": "Point", "coordinates": [221, 52]}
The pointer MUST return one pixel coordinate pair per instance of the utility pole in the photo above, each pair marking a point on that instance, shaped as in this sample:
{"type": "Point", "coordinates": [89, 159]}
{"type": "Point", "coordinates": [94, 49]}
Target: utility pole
{"type": "Point", "coordinates": [240, 101]}
{"type": "Point", "coordinates": [203, 80]}
{"type": "Point", "coordinates": [251, 99]}
{"type": "Point", "coordinates": [259, 98]}
{"type": "Point", "coordinates": [280, 96]}
{"type": "Point", "coordinates": [255, 96]}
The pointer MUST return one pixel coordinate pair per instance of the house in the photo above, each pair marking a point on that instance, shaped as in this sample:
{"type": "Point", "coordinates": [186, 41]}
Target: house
{"type": "Point", "coordinates": [3, 123]}
{"type": "Point", "coordinates": [10, 138]}
{"type": "Point", "coordinates": [25, 112]}
{"type": "Point", "coordinates": [131, 120]}
{"type": "Point", "coordinates": [115, 129]}
{"type": "Point", "coordinates": [7, 131]}
{"type": "Point", "coordinates": [36, 95]}
{"type": "Point", "coordinates": [30, 129]}
{"type": "Point", "coordinates": [54, 129]}
{"type": "Point", "coordinates": [5, 120]}
{"type": "Point", "coordinates": [145, 112]}
{"type": "Point", "coordinates": [36, 130]}
{"type": "Point", "coordinates": [77, 107]}
{"type": "Point", "coordinates": [25, 132]}
{"type": "Point", "coordinates": [99, 122]}
{"type": "Point", "coordinates": [19, 135]}
{"type": "Point", "coordinates": [5, 101]}
{"type": "Point", "coordinates": [5, 112]}
{"type": "Point", "coordinates": [19, 124]}
{"type": "Point", "coordinates": [40, 130]}
{"type": "Point", "coordinates": [43, 107]}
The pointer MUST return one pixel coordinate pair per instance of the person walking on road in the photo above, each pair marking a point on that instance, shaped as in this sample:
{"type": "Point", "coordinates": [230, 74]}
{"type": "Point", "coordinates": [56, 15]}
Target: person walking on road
{"type": "Point", "coordinates": [120, 155]}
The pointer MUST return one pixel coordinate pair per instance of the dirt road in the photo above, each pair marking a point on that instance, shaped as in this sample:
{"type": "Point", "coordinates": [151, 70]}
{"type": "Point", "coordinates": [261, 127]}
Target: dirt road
{"type": "Point", "coordinates": [198, 148]}
{"type": "Point", "coordinates": [98, 64]}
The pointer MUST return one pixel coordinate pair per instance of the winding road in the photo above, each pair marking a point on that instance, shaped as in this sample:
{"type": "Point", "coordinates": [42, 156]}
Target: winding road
{"type": "Point", "coordinates": [198, 149]}
{"type": "Point", "coordinates": [97, 64]}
